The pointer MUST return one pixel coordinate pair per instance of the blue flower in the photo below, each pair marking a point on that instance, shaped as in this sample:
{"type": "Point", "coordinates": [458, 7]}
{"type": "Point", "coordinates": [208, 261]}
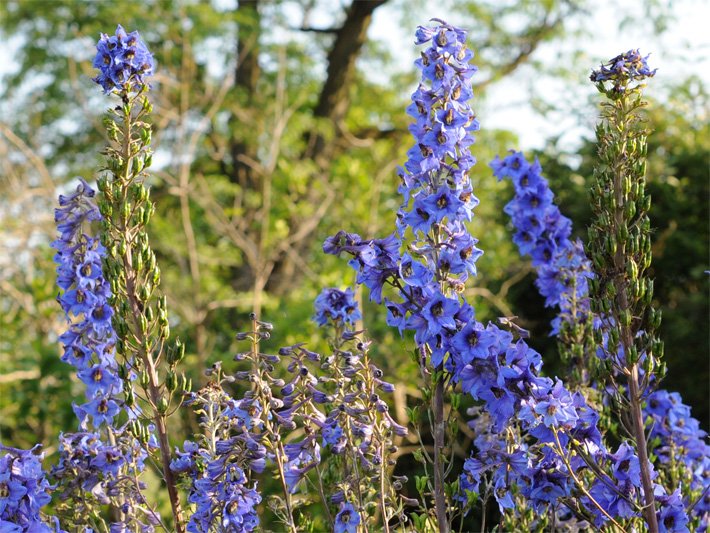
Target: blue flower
{"type": "Point", "coordinates": [337, 306]}
{"type": "Point", "coordinates": [672, 517]}
{"type": "Point", "coordinates": [413, 272]}
{"type": "Point", "coordinates": [24, 490]}
{"type": "Point", "coordinates": [347, 519]}
{"type": "Point", "coordinates": [439, 313]}
{"type": "Point", "coordinates": [123, 61]}
{"type": "Point", "coordinates": [334, 437]}
{"type": "Point", "coordinates": [102, 410]}
{"type": "Point", "coordinates": [99, 379]}
{"type": "Point", "coordinates": [623, 69]}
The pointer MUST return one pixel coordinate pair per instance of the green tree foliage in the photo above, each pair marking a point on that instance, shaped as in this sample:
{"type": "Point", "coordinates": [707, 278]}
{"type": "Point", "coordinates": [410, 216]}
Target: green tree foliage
{"type": "Point", "coordinates": [272, 131]}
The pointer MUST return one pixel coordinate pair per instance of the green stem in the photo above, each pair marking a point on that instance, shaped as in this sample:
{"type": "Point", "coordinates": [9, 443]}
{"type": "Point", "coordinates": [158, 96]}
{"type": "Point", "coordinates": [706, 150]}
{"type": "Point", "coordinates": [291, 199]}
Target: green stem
{"type": "Point", "coordinates": [144, 347]}
{"type": "Point", "coordinates": [439, 438]}
{"type": "Point", "coordinates": [263, 392]}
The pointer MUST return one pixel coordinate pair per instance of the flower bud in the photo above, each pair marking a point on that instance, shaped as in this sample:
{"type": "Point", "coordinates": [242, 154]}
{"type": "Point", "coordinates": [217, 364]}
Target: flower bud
{"type": "Point", "coordinates": [171, 381]}
{"type": "Point", "coordinates": [163, 406]}
{"type": "Point", "coordinates": [144, 379]}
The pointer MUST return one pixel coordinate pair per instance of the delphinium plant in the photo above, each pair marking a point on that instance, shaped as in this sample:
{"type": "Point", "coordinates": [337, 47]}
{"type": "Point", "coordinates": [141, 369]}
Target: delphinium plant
{"type": "Point", "coordinates": [455, 351]}
{"type": "Point", "coordinates": [620, 246]}
{"type": "Point", "coordinates": [326, 430]}
{"type": "Point", "coordinates": [143, 344]}
{"type": "Point", "coordinates": [677, 447]}
{"type": "Point", "coordinates": [321, 425]}
{"type": "Point", "coordinates": [551, 457]}
{"type": "Point", "coordinates": [102, 463]}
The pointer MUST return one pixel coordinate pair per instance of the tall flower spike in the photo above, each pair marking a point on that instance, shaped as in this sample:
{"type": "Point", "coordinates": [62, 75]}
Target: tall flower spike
{"type": "Point", "coordinates": [563, 270]}
{"type": "Point", "coordinates": [675, 436]}
{"type": "Point", "coordinates": [485, 361]}
{"type": "Point", "coordinates": [90, 339]}
{"type": "Point", "coordinates": [142, 325]}
{"type": "Point", "coordinates": [620, 249]}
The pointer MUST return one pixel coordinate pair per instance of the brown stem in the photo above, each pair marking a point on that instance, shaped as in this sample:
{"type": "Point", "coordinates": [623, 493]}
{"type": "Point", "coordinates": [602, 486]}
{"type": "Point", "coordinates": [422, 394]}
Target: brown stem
{"type": "Point", "coordinates": [649, 509]}
{"type": "Point", "coordinates": [627, 335]}
{"type": "Point", "coordinates": [154, 391]}
{"type": "Point", "coordinates": [385, 518]}
{"type": "Point", "coordinates": [144, 350]}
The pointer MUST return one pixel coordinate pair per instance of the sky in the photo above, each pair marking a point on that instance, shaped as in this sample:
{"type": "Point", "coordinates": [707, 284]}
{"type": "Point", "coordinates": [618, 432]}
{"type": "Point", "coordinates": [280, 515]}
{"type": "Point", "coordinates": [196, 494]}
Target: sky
{"type": "Point", "coordinates": [682, 50]}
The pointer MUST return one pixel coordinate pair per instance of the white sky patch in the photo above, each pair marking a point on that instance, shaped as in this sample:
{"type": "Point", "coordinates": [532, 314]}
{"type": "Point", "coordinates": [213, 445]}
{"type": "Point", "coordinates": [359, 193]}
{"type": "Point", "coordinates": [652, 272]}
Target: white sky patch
{"type": "Point", "coordinates": [679, 52]}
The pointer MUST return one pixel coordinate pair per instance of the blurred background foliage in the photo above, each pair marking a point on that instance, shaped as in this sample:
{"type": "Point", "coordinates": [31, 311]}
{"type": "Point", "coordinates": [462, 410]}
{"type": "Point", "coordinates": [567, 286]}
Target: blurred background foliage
{"type": "Point", "coordinates": [278, 123]}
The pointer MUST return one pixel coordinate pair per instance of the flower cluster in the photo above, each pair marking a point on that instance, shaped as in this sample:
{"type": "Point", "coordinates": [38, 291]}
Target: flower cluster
{"type": "Point", "coordinates": [223, 497]}
{"type": "Point", "coordinates": [486, 361]}
{"type": "Point", "coordinates": [123, 61]}
{"type": "Point", "coordinates": [438, 199]}
{"type": "Point", "coordinates": [623, 69]}
{"type": "Point", "coordinates": [358, 427]}
{"type": "Point", "coordinates": [543, 233]}
{"type": "Point", "coordinates": [214, 467]}
{"type": "Point", "coordinates": [338, 306]}
{"type": "Point", "coordinates": [675, 436]}
{"type": "Point", "coordinates": [24, 490]}
{"type": "Point", "coordinates": [330, 405]}
{"type": "Point", "coordinates": [90, 340]}
{"type": "Point", "coordinates": [92, 473]}
{"type": "Point", "coordinates": [676, 439]}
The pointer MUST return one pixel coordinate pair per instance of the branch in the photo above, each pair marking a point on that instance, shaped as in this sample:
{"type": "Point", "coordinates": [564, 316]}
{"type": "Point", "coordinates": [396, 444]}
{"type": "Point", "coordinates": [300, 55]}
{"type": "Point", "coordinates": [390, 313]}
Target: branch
{"type": "Point", "coordinates": [333, 99]}
{"type": "Point", "coordinates": [316, 30]}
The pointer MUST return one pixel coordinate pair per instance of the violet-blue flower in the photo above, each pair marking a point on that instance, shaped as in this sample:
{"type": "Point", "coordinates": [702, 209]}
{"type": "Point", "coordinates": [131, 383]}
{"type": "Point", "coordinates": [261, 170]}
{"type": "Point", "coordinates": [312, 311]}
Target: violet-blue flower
{"type": "Point", "coordinates": [347, 519]}
{"type": "Point", "coordinates": [123, 61]}
{"type": "Point", "coordinates": [623, 69]}
{"type": "Point", "coordinates": [338, 306]}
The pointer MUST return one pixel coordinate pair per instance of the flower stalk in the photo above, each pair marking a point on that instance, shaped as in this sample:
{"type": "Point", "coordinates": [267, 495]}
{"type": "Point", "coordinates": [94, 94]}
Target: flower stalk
{"type": "Point", "coordinates": [620, 248]}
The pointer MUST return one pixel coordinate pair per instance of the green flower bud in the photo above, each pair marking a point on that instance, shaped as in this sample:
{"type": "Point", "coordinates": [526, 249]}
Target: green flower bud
{"type": "Point", "coordinates": [171, 382]}
{"type": "Point", "coordinates": [164, 331]}
{"type": "Point", "coordinates": [125, 212]}
{"type": "Point", "coordinates": [632, 355]}
{"type": "Point", "coordinates": [144, 379]}
{"type": "Point", "coordinates": [186, 384]}
{"type": "Point", "coordinates": [176, 353]}
{"type": "Point", "coordinates": [631, 268]}
{"type": "Point", "coordinates": [130, 398]}
{"type": "Point", "coordinates": [137, 262]}
{"type": "Point", "coordinates": [625, 318]}
{"type": "Point", "coordinates": [145, 215]}
{"type": "Point", "coordinates": [143, 323]}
